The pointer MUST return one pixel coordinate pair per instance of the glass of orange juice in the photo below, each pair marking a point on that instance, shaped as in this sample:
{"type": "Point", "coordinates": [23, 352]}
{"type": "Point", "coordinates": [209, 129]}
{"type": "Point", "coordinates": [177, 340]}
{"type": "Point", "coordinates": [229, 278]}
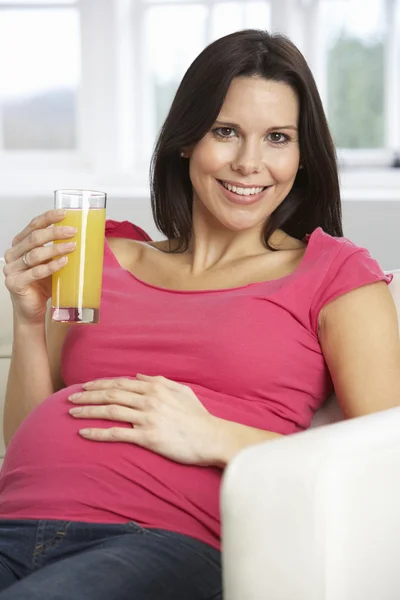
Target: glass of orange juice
{"type": "Point", "coordinates": [76, 288]}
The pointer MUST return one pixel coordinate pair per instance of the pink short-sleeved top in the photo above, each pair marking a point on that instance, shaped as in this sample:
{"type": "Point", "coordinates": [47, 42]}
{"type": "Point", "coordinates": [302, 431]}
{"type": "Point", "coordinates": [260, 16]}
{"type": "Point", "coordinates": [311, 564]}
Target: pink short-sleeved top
{"type": "Point", "coordinates": [251, 354]}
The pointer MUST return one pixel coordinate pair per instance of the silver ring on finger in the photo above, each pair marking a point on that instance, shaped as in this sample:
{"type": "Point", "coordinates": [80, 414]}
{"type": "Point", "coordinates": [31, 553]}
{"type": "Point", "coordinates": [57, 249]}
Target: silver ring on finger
{"type": "Point", "coordinates": [24, 260]}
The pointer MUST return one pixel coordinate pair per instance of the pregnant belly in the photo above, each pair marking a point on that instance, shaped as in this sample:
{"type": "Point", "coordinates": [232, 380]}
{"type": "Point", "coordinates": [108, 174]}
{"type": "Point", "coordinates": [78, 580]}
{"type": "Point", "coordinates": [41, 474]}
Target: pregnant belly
{"type": "Point", "coordinates": [50, 471]}
{"type": "Point", "coordinates": [49, 438]}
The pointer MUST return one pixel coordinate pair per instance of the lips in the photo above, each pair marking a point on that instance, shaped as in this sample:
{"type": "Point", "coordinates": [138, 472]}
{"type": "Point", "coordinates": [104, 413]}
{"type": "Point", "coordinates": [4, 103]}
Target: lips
{"type": "Point", "coordinates": [241, 190]}
{"type": "Point", "coordinates": [242, 199]}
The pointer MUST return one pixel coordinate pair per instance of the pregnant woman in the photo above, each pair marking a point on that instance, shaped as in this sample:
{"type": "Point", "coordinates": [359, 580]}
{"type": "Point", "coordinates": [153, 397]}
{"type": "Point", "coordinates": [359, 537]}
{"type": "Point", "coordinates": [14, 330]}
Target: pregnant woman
{"type": "Point", "coordinates": [231, 331]}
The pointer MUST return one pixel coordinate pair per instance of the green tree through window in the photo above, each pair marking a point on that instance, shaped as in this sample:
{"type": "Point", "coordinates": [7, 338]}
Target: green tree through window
{"type": "Point", "coordinates": [356, 93]}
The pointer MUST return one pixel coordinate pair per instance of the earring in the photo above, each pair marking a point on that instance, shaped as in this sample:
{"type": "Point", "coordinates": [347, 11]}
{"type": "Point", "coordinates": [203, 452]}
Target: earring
{"type": "Point", "coordinates": [301, 167]}
{"type": "Point", "coordinates": [182, 154]}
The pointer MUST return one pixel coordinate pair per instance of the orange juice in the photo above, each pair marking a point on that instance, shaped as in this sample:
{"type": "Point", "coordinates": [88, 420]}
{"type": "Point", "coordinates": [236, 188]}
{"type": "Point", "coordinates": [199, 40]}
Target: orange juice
{"type": "Point", "coordinates": [76, 288]}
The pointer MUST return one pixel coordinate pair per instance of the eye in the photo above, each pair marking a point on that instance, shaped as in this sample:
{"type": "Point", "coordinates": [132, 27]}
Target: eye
{"type": "Point", "coordinates": [278, 138]}
{"type": "Point", "coordinates": [224, 132]}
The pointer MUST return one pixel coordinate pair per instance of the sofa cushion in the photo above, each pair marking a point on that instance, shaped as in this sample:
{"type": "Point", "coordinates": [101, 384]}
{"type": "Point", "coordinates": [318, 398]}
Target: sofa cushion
{"type": "Point", "coordinates": [4, 367]}
{"type": "Point", "coordinates": [6, 318]}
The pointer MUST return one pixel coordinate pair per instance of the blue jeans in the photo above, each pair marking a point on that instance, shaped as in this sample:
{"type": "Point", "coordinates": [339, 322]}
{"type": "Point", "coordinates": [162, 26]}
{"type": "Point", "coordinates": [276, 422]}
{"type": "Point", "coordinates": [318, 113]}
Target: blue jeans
{"type": "Point", "coordinates": [64, 560]}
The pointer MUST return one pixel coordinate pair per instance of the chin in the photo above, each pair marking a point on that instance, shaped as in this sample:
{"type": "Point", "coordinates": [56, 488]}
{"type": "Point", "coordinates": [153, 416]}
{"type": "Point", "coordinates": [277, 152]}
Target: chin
{"type": "Point", "coordinates": [240, 223]}
{"type": "Point", "coordinates": [236, 219]}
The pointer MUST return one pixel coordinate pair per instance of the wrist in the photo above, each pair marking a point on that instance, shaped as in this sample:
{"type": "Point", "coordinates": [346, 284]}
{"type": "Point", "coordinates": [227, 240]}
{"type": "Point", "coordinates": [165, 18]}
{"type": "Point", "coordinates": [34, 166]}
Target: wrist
{"type": "Point", "coordinates": [25, 332]}
{"type": "Point", "coordinates": [229, 437]}
{"type": "Point", "coordinates": [27, 322]}
{"type": "Point", "coordinates": [22, 326]}
{"type": "Point", "coordinates": [221, 446]}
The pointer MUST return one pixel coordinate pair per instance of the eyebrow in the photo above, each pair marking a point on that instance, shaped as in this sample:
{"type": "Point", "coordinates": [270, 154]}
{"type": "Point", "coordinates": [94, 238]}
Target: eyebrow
{"type": "Point", "coordinates": [237, 126]}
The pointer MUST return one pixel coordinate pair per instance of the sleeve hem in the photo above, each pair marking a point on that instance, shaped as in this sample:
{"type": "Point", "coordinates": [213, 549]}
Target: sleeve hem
{"type": "Point", "coordinates": [126, 229]}
{"type": "Point", "coordinates": [370, 273]}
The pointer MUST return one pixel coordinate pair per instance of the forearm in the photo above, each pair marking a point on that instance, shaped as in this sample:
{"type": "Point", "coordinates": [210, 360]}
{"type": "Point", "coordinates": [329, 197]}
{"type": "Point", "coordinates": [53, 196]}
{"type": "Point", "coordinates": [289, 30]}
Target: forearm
{"type": "Point", "coordinates": [29, 381]}
{"type": "Point", "coordinates": [230, 438]}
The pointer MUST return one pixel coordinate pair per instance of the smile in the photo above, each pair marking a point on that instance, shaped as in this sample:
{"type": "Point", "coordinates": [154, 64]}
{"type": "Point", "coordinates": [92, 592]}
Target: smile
{"type": "Point", "coordinates": [242, 191]}
{"type": "Point", "coordinates": [242, 196]}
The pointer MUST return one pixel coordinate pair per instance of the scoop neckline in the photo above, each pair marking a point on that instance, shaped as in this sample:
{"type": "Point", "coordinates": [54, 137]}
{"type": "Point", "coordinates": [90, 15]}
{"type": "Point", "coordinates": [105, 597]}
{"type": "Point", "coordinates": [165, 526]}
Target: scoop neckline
{"type": "Point", "coordinates": [308, 238]}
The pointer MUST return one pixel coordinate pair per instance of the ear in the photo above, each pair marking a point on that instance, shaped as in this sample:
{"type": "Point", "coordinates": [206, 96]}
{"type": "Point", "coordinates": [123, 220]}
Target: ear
{"type": "Point", "coordinates": [186, 152]}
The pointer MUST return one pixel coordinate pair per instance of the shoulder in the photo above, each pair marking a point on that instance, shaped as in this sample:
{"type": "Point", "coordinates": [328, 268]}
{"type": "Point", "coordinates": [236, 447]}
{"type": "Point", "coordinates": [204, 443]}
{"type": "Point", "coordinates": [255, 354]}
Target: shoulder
{"type": "Point", "coordinates": [359, 338]}
{"type": "Point", "coordinates": [283, 241]}
{"type": "Point", "coordinates": [340, 257]}
{"type": "Point", "coordinates": [125, 229]}
{"type": "Point", "coordinates": [126, 251]}
{"type": "Point", "coordinates": [329, 244]}
{"type": "Point", "coordinates": [125, 240]}
{"type": "Point", "coordinates": [340, 266]}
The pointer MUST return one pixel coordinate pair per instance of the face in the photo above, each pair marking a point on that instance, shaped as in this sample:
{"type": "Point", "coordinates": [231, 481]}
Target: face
{"type": "Point", "coordinates": [245, 166]}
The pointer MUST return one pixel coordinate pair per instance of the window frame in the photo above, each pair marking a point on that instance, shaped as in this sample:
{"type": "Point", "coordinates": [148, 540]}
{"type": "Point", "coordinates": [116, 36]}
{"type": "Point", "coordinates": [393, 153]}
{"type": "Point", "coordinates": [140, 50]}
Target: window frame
{"type": "Point", "coordinates": [114, 151]}
{"type": "Point", "coordinates": [145, 122]}
{"type": "Point", "coordinates": [102, 145]}
{"type": "Point", "coordinates": [17, 159]}
{"type": "Point", "coordinates": [299, 19]}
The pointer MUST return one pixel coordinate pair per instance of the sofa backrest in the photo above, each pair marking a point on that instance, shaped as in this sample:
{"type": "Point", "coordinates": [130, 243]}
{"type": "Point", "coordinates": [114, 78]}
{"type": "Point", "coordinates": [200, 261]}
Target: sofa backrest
{"type": "Point", "coordinates": [329, 413]}
{"type": "Point", "coordinates": [6, 324]}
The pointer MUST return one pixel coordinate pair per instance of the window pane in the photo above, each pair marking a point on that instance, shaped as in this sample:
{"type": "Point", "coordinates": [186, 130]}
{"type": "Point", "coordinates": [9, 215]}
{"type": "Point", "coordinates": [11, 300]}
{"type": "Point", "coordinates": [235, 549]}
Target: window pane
{"type": "Point", "coordinates": [39, 73]}
{"type": "Point", "coordinates": [160, 1]}
{"type": "Point", "coordinates": [354, 40]}
{"type": "Point", "coordinates": [33, 2]}
{"type": "Point", "coordinates": [174, 36]}
{"type": "Point", "coordinates": [228, 17]}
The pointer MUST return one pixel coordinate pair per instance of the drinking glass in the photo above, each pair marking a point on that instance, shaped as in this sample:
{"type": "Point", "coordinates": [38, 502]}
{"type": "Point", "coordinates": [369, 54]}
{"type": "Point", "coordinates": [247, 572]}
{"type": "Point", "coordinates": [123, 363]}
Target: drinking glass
{"type": "Point", "coordinates": [76, 288]}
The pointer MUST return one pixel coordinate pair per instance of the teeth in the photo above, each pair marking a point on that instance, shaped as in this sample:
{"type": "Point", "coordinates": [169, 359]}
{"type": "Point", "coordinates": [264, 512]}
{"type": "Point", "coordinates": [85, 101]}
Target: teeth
{"type": "Point", "coordinates": [242, 191]}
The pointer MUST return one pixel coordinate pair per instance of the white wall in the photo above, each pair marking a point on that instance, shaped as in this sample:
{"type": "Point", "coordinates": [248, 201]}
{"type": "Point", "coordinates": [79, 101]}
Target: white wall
{"type": "Point", "coordinates": [375, 225]}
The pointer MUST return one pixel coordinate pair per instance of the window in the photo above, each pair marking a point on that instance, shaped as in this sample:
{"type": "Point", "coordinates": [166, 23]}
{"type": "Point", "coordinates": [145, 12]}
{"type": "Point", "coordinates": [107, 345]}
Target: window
{"type": "Point", "coordinates": [355, 64]}
{"type": "Point", "coordinates": [174, 34]}
{"type": "Point", "coordinates": [39, 74]}
{"type": "Point", "coordinates": [227, 17]}
{"type": "Point", "coordinates": [353, 48]}
{"type": "Point", "coordinates": [360, 82]}
{"type": "Point", "coordinates": [168, 52]}
{"type": "Point", "coordinates": [90, 81]}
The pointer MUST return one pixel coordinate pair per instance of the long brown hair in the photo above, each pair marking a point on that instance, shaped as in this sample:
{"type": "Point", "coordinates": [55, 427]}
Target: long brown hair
{"type": "Point", "coordinates": [314, 200]}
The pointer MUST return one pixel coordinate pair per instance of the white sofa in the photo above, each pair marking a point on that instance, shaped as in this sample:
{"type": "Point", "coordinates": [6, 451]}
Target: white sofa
{"type": "Point", "coordinates": [314, 516]}
{"type": "Point", "coordinates": [6, 325]}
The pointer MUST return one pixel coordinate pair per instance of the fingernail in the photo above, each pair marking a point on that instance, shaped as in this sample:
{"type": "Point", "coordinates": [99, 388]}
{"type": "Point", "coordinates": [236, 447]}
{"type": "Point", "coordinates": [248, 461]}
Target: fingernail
{"type": "Point", "coordinates": [73, 397]}
{"type": "Point", "coordinates": [68, 229]}
{"type": "Point", "coordinates": [84, 431]}
{"type": "Point", "coordinates": [88, 384]}
{"type": "Point", "coordinates": [61, 212]}
{"type": "Point", "coordinates": [75, 411]}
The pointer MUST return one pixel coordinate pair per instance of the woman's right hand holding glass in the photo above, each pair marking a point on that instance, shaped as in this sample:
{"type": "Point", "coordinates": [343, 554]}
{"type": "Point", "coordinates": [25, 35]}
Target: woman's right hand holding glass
{"type": "Point", "coordinates": [30, 264]}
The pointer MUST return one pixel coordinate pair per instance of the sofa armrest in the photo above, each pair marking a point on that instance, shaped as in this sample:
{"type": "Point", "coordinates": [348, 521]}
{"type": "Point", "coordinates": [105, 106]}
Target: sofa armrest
{"type": "Point", "coordinates": [315, 515]}
{"type": "Point", "coordinates": [4, 368]}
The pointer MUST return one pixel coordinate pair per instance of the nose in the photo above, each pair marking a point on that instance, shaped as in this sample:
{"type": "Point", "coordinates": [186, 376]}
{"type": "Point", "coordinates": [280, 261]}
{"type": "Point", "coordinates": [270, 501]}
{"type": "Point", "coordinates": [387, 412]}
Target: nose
{"type": "Point", "coordinates": [247, 160]}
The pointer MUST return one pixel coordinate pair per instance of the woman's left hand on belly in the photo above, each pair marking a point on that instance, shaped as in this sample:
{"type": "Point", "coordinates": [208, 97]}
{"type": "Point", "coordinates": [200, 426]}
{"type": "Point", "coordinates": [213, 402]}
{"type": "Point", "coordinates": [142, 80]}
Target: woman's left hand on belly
{"type": "Point", "coordinates": [166, 417]}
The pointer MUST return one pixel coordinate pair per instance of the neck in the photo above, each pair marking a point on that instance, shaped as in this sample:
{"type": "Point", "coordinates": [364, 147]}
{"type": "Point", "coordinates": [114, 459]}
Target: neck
{"type": "Point", "coordinates": [213, 245]}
